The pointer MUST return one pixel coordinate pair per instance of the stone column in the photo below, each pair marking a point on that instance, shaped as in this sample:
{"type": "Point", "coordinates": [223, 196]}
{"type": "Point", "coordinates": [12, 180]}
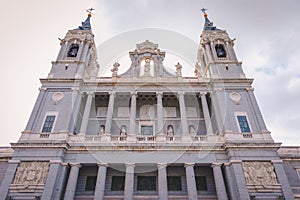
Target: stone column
{"type": "Point", "coordinates": [49, 189]}
{"type": "Point", "coordinates": [62, 51]}
{"type": "Point", "coordinates": [208, 53]}
{"type": "Point", "coordinates": [101, 178]}
{"type": "Point", "coordinates": [62, 179]}
{"type": "Point", "coordinates": [31, 125]}
{"type": "Point", "coordinates": [283, 180]}
{"type": "Point", "coordinates": [74, 126]}
{"type": "Point", "coordinates": [240, 179]}
{"type": "Point", "coordinates": [184, 123]}
{"type": "Point", "coordinates": [8, 178]}
{"type": "Point", "coordinates": [132, 128]}
{"type": "Point", "coordinates": [206, 113]}
{"type": "Point", "coordinates": [129, 181]}
{"type": "Point", "coordinates": [190, 180]}
{"type": "Point", "coordinates": [84, 51]}
{"type": "Point", "coordinates": [162, 181]}
{"type": "Point", "coordinates": [259, 117]}
{"type": "Point", "coordinates": [110, 111]}
{"type": "Point", "coordinates": [160, 114]}
{"type": "Point", "coordinates": [219, 181]}
{"type": "Point", "coordinates": [72, 181]}
{"type": "Point", "coordinates": [86, 113]}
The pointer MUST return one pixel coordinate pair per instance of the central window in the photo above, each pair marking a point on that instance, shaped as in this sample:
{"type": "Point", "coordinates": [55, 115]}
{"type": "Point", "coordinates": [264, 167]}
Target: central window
{"type": "Point", "coordinates": [146, 183]}
{"type": "Point", "coordinates": [147, 130]}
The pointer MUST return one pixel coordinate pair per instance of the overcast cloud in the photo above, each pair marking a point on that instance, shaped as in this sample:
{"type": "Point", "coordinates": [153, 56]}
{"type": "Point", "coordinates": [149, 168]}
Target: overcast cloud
{"type": "Point", "coordinates": [267, 33]}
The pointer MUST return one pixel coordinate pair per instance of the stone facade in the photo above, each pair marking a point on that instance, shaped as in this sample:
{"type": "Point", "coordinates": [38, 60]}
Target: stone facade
{"type": "Point", "coordinates": [147, 133]}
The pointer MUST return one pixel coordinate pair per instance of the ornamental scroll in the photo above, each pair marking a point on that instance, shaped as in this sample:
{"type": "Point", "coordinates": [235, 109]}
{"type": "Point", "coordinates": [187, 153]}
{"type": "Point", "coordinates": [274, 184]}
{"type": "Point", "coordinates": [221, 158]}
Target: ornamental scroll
{"type": "Point", "coordinates": [31, 173]}
{"type": "Point", "coordinates": [260, 173]}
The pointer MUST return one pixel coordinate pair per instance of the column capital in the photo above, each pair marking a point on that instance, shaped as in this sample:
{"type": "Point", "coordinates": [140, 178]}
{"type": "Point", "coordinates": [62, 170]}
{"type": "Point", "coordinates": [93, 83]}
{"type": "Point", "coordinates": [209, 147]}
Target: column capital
{"type": "Point", "coordinates": [90, 93]}
{"type": "Point", "coordinates": [202, 94]}
{"type": "Point", "coordinates": [75, 165]}
{"type": "Point", "coordinates": [112, 93]}
{"type": "Point", "coordinates": [133, 93]}
{"type": "Point", "coordinates": [55, 162]}
{"type": "Point", "coordinates": [14, 161]}
{"type": "Point", "coordinates": [276, 161]}
{"type": "Point", "coordinates": [130, 165]}
{"type": "Point", "coordinates": [161, 165]}
{"type": "Point", "coordinates": [42, 89]}
{"type": "Point", "coordinates": [189, 165]}
{"type": "Point", "coordinates": [159, 93]}
{"type": "Point", "coordinates": [180, 93]}
{"type": "Point", "coordinates": [250, 89]}
{"type": "Point", "coordinates": [216, 165]}
{"type": "Point", "coordinates": [102, 164]}
{"type": "Point", "coordinates": [75, 89]}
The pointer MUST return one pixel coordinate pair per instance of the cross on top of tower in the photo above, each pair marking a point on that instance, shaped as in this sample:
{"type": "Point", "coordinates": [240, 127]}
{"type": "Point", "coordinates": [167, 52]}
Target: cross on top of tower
{"type": "Point", "coordinates": [90, 11]}
{"type": "Point", "coordinates": [204, 12]}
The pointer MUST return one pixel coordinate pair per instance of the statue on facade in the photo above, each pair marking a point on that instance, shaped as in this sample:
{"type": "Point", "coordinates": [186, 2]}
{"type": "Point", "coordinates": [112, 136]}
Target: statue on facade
{"type": "Point", "coordinates": [170, 131]}
{"type": "Point", "coordinates": [178, 69]}
{"type": "Point", "coordinates": [102, 129]}
{"type": "Point", "coordinates": [115, 69]}
{"type": "Point", "coordinates": [192, 130]}
{"type": "Point", "coordinates": [123, 131]}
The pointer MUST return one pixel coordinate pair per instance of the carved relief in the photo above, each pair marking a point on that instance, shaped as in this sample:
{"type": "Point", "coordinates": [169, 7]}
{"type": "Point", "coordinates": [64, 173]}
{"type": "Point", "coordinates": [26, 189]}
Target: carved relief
{"type": "Point", "coordinates": [57, 96]}
{"type": "Point", "coordinates": [235, 97]}
{"type": "Point", "coordinates": [260, 173]}
{"type": "Point", "coordinates": [31, 173]}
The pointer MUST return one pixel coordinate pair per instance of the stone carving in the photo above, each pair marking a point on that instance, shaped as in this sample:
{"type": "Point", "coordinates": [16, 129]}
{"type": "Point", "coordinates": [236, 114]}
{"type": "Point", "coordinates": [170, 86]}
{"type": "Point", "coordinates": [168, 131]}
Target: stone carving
{"type": "Point", "coordinates": [259, 173]}
{"type": "Point", "coordinates": [57, 96]}
{"type": "Point", "coordinates": [31, 173]}
{"type": "Point", "coordinates": [178, 69]}
{"type": "Point", "coordinates": [115, 69]}
{"type": "Point", "coordinates": [235, 97]}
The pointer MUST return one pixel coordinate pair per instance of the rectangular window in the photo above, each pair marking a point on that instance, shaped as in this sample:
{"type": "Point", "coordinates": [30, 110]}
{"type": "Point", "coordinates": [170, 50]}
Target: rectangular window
{"type": "Point", "coordinates": [146, 183]}
{"type": "Point", "coordinates": [243, 123]}
{"type": "Point", "coordinates": [147, 130]}
{"type": "Point", "coordinates": [48, 124]}
{"type": "Point", "coordinates": [201, 183]}
{"type": "Point", "coordinates": [90, 183]}
{"type": "Point", "coordinates": [174, 183]}
{"type": "Point", "coordinates": [118, 183]}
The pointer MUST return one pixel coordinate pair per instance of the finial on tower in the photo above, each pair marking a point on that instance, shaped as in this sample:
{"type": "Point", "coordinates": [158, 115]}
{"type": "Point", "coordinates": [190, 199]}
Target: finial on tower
{"type": "Point", "coordinates": [204, 12]}
{"type": "Point", "coordinates": [90, 11]}
{"type": "Point", "coordinates": [208, 26]}
{"type": "Point", "coordinates": [86, 25]}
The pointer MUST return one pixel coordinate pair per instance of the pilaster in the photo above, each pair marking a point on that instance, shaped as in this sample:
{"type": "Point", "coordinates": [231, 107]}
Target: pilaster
{"type": "Point", "coordinates": [86, 113]}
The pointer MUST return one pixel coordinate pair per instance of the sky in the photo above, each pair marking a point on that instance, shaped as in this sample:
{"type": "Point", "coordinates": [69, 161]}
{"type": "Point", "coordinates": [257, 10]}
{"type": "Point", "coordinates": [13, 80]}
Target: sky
{"type": "Point", "coordinates": [266, 32]}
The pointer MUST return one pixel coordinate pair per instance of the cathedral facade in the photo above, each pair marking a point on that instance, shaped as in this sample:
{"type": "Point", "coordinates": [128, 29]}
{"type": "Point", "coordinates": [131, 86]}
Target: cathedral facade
{"type": "Point", "coordinates": [147, 133]}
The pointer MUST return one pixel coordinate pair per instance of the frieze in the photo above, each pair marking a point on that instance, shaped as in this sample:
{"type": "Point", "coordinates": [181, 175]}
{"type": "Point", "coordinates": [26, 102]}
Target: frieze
{"type": "Point", "coordinates": [31, 173]}
{"type": "Point", "coordinates": [260, 173]}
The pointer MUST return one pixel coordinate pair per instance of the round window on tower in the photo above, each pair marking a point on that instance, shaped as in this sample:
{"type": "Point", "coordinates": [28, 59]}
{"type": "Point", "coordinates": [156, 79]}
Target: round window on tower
{"type": "Point", "coordinates": [220, 50]}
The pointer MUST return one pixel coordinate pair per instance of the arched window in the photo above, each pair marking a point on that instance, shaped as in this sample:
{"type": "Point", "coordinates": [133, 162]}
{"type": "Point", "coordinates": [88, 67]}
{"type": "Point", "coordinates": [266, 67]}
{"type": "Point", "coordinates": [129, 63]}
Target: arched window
{"type": "Point", "coordinates": [220, 50]}
{"type": "Point", "coordinates": [73, 50]}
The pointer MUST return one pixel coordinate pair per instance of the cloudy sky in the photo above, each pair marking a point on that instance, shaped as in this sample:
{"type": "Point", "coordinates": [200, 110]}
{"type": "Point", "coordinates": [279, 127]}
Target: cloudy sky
{"type": "Point", "coordinates": [267, 33]}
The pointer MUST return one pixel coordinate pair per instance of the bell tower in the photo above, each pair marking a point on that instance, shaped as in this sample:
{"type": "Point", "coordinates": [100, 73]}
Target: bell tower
{"type": "Point", "coordinates": [216, 55]}
{"type": "Point", "coordinates": [234, 109]}
{"type": "Point", "coordinates": [77, 57]}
